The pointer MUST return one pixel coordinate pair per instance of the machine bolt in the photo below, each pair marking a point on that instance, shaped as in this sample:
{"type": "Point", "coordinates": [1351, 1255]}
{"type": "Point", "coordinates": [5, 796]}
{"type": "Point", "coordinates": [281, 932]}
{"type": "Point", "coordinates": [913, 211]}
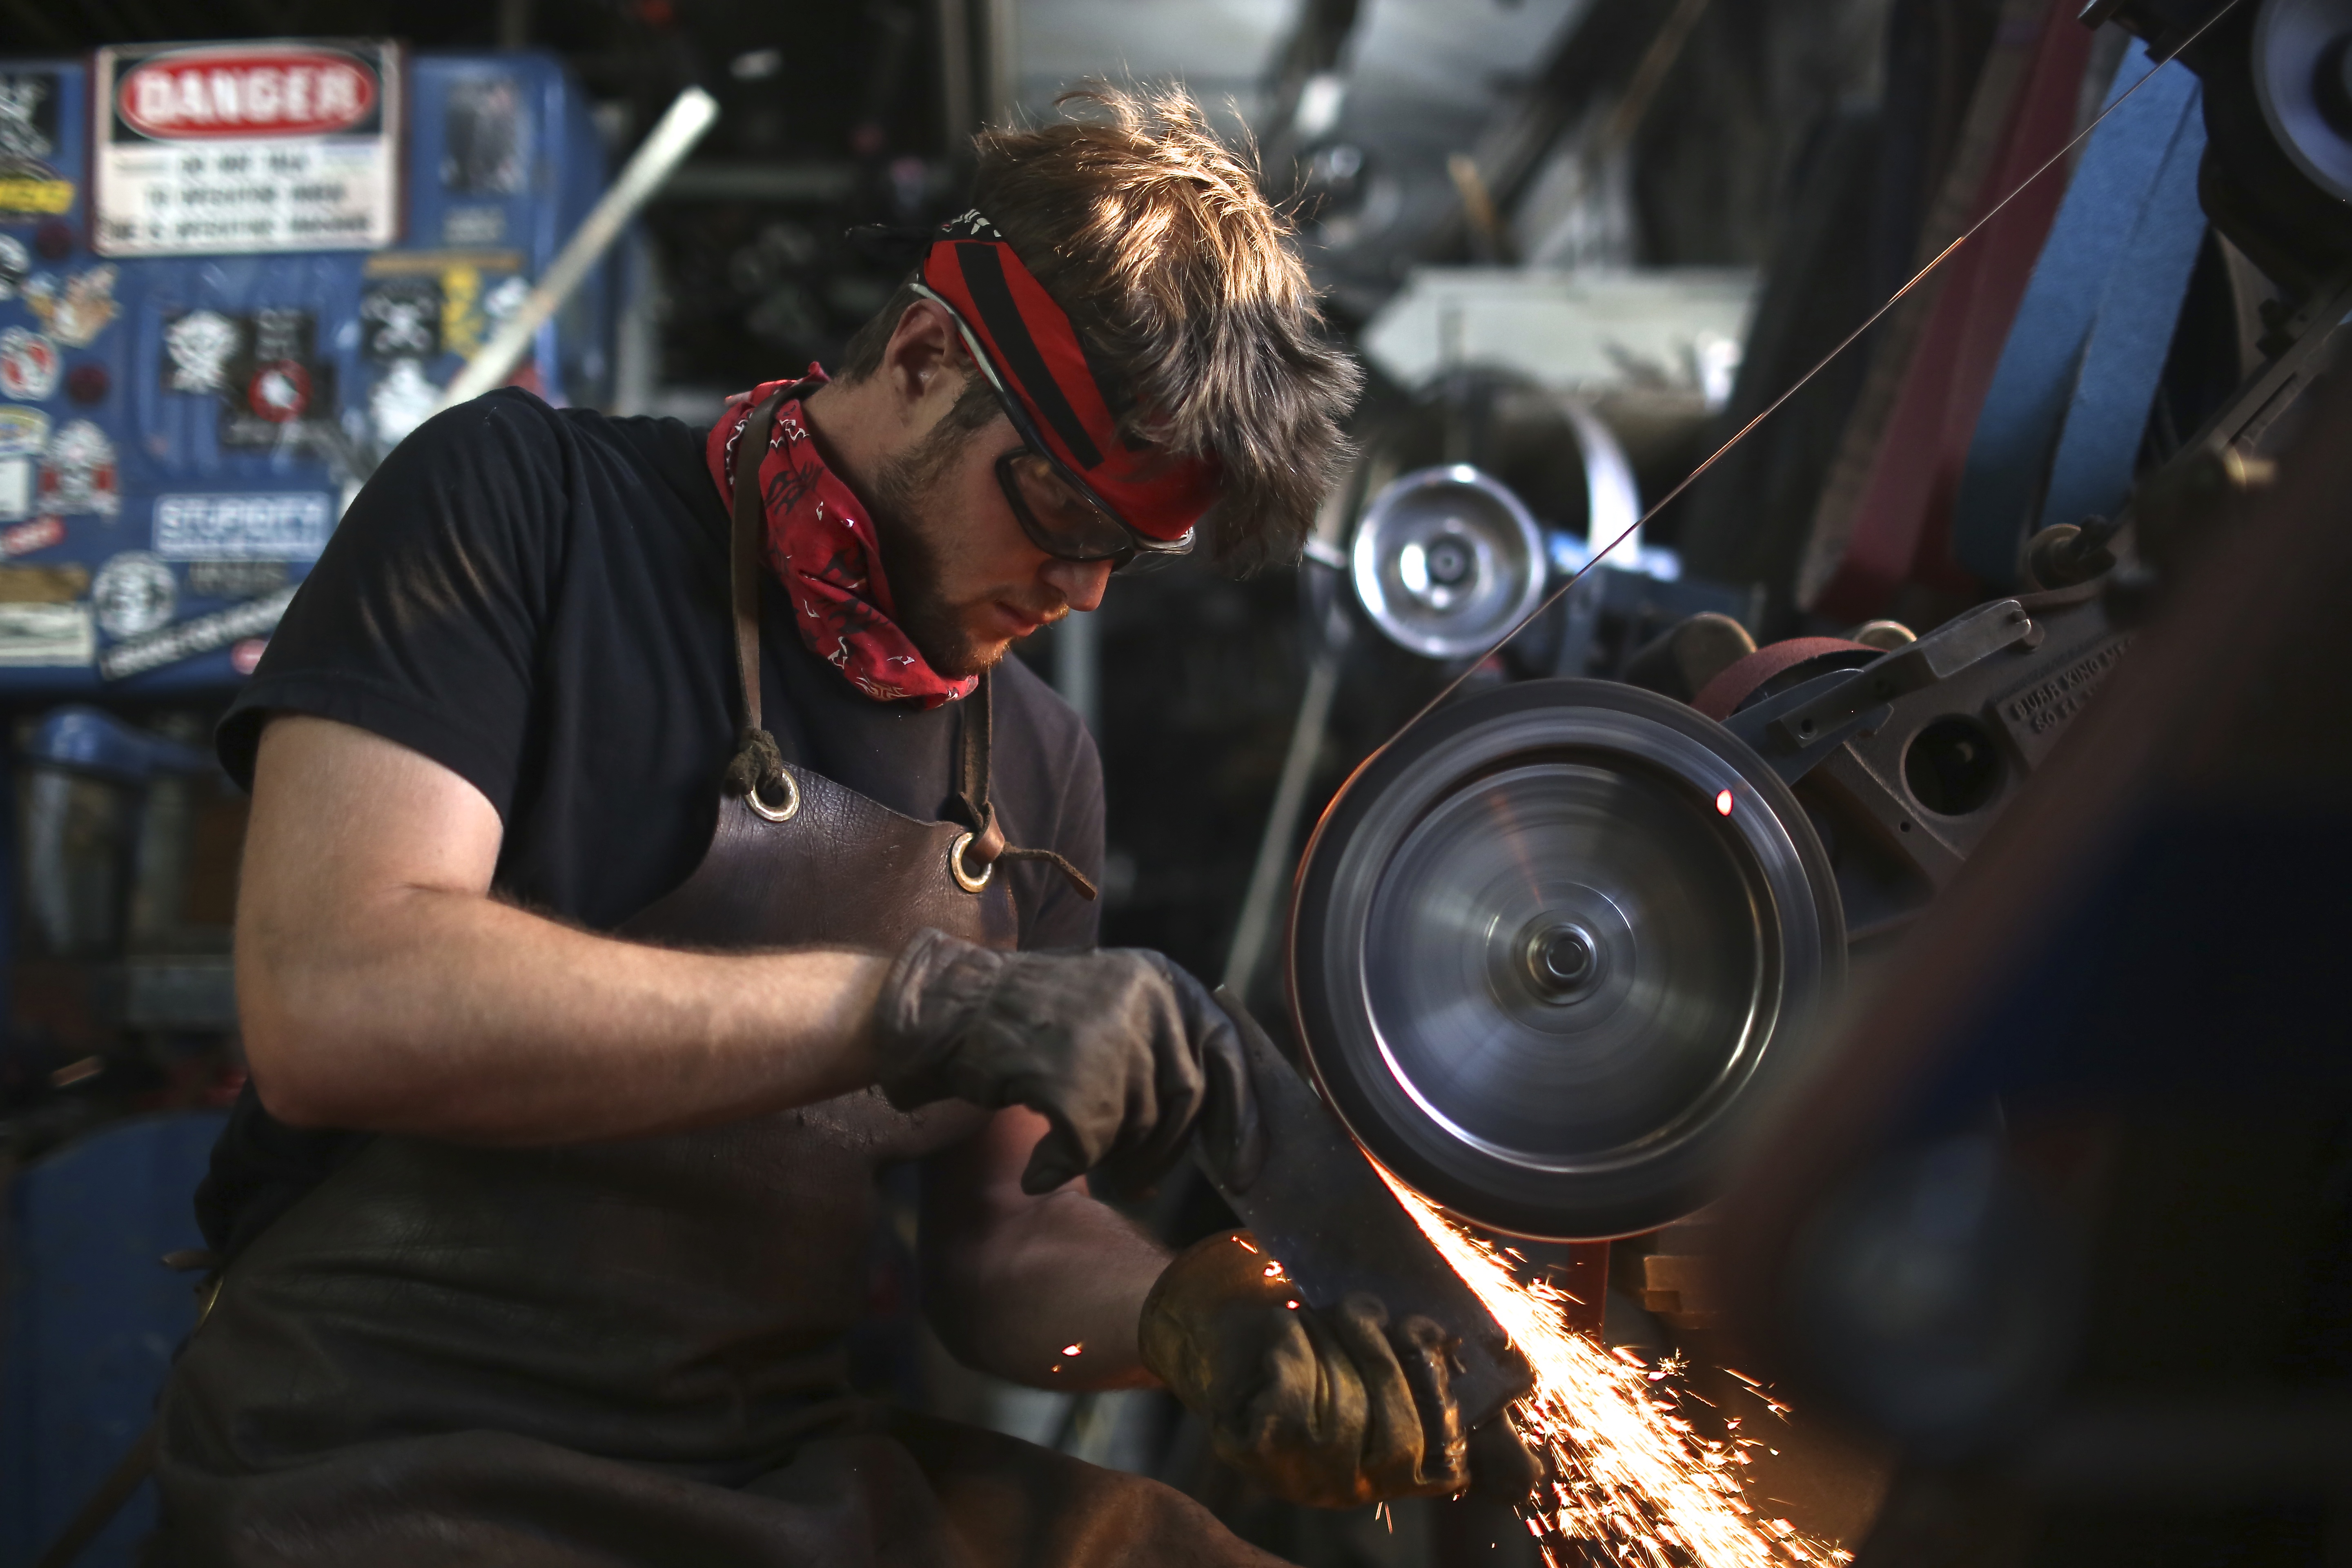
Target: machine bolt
{"type": "Point", "coordinates": [1449, 563]}
{"type": "Point", "coordinates": [1562, 959]}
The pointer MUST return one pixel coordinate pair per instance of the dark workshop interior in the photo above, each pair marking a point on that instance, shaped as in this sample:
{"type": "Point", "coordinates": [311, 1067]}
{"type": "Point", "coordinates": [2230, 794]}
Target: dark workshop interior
{"type": "Point", "coordinates": [1769, 865]}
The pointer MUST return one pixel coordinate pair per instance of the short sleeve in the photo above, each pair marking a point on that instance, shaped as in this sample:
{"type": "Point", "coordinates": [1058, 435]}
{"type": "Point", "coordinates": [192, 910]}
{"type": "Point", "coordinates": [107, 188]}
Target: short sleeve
{"type": "Point", "coordinates": [1048, 792]}
{"type": "Point", "coordinates": [1064, 918]}
{"type": "Point", "coordinates": [420, 622]}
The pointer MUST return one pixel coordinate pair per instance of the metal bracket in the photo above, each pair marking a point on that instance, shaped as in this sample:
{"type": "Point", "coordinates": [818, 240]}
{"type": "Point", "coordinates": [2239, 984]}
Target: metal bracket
{"type": "Point", "coordinates": [1941, 654]}
{"type": "Point", "coordinates": [1796, 731]}
{"type": "Point", "coordinates": [1757, 726]}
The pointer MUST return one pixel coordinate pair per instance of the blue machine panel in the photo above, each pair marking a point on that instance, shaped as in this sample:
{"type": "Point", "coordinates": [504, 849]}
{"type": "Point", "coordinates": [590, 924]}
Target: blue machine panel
{"type": "Point", "coordinates": [93, 1320]}
{"type": "Point", "coordinates": [179, 435]}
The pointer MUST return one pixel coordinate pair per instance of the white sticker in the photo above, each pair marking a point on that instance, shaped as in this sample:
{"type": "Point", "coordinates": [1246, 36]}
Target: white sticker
{"type": "Point", "coordinates": [78, 471]}
{"type": "Point", "coordinates": [76, 310]}
{"type": "Point", "coordinates": [199, 344]}
{"type": "Point", "coordinates": [402, 401]}
{"type": "Point", "coordinates": [15, 261]}
{"type": "Point", "coordinates": [29, 365]}
{"type": "Point", "coordinates": [282, 145]}
{"type": "Point", "coordinates": [243, 527]}
{"type": "Point", "coordinates": [133, 593]}
{"type": "Point", "coordinates": [462, 227]}
{"type": "Point", "coordinates": [46, 634]}
{"type": "Point", "coordinates": [15, 489]}
{"type": "Point", "coordinates": [24, 432]}
{"type": "Point", "coordinates": [255, 617]}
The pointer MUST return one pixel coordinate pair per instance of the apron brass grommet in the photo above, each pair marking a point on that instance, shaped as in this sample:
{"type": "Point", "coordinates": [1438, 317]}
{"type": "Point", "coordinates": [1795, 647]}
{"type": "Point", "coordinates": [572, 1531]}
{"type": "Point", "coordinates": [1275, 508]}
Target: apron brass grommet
{"type": "Point", "coordinates": [965, 880]}
{"type": "Point", "coordinates": [783, 813]}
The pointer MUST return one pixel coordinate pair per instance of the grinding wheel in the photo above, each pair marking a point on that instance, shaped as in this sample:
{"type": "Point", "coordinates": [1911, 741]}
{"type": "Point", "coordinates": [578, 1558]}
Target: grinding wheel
{"type": "Point", "coordinates": [1541, 975]}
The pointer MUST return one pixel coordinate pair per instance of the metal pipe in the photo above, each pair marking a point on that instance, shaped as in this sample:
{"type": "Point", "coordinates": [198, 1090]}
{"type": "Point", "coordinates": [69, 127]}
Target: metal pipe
{"type": "Point", "coordinates": [679, 129]}
{"type": "Point", "coordinates": [1271, 874]}
{"type": "Point", "coordinates": [1078, 666]}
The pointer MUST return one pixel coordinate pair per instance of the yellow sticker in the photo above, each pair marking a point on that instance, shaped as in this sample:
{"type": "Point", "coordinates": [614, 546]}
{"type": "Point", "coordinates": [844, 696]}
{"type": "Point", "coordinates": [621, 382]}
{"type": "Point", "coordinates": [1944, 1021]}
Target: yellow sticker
{"type": "Point", "coordinates": [461, 317]}
{"type": "Point", "coordinates": [21, 194]}
{"type": "Point", "coordinates": [43, 585]}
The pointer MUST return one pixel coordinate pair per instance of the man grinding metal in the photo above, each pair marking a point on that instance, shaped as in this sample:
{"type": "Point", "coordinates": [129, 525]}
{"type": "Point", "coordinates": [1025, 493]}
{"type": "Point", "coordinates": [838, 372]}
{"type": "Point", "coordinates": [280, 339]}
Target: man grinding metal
{"type": "Point", "coordinates": [650, 841]}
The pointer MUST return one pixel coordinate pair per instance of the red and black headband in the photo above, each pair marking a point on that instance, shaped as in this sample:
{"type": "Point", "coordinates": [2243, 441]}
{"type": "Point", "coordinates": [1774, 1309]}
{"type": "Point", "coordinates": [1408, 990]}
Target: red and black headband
{"type": "Point", "coordinates": [1036, 356]}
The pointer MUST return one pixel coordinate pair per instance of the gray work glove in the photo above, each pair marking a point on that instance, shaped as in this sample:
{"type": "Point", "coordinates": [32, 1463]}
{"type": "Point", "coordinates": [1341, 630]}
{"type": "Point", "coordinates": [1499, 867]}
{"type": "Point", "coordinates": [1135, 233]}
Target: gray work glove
{"type": "Point", "coordinates": [1333, 1408]}
{"type": "Point", "coordinates": [1122, 1051]}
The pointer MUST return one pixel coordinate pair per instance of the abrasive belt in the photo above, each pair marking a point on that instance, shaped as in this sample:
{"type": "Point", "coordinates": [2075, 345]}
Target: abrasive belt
{"type": "Point", "coordinates": [1882, 508]}
{"type": "Point", "coordinates": [2062, 424]}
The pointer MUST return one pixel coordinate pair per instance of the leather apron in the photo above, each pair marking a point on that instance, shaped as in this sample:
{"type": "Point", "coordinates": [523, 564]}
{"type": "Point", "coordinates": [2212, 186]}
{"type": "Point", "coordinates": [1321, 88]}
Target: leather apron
{"type": "Point", "coordinates": [632, 1352]}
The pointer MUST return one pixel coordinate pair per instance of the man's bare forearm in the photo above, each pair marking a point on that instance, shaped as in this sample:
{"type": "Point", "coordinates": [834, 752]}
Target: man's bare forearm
{"type": "Point", "coordinates": [466, 1019]}
{"type": "Point", "coordinates": [393, 993]}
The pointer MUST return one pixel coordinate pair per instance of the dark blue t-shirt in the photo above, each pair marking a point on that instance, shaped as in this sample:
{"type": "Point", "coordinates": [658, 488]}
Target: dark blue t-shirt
{"type": "Point", "coordinates": [536, 599]}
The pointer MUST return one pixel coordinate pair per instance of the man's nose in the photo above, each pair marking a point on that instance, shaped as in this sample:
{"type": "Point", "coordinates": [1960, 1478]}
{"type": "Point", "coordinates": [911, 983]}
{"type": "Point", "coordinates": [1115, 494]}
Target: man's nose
{"type": "Point", "coordinates": [1079, 582]}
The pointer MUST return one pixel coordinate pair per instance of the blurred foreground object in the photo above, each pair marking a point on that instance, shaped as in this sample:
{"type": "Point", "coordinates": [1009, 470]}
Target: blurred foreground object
{"type": "Point", "coordinates": [2065, 1207]}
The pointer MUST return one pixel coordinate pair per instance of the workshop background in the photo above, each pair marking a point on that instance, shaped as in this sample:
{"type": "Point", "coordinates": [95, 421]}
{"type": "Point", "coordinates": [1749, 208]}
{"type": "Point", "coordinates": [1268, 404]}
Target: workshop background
{"type": "Point", "coordinates": [1577, 245]}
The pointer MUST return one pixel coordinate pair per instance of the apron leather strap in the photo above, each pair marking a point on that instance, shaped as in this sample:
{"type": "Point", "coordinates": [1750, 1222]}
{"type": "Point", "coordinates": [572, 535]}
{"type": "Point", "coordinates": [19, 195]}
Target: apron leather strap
{"type": "Point", "coordinates": [758, 762]}
{"type": "Point", "coordinates": [972, 778]}
{"type": "Point", "coordinates": [987, 845]}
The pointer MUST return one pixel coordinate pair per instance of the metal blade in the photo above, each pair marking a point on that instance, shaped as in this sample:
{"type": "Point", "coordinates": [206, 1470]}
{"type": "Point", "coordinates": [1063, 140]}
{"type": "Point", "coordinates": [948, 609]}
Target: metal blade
{"type": "Point", "coordinates": [1321, 1211]}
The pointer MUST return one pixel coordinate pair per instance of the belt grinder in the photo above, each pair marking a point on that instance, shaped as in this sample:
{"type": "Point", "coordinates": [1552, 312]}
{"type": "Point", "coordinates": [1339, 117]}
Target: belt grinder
{"type": "Point", "coordinates": [1554, 949]}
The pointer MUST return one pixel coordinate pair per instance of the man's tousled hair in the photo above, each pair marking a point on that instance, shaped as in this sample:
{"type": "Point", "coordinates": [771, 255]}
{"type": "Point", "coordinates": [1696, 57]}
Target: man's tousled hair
{"type": "Point", "coordinates": [1152, 235]}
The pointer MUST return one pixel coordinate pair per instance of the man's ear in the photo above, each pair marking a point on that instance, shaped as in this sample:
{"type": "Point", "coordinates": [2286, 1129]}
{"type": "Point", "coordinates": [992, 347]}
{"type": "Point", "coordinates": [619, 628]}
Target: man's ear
{"type": "Point", "coordinates": [923, 345]}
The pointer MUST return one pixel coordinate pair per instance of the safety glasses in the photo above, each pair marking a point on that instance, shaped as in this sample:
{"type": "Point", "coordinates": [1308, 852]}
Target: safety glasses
{"type": "Point", "coordinates": [1056, 509]}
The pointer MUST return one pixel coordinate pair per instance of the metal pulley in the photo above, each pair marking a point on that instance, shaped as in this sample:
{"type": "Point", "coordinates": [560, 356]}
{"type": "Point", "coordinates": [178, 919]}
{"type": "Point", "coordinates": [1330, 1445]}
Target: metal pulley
{"type": "Point", "coordinates": [1446, 560]}
{"type": "Point", "coordinates": [2301, 70]}
{"type": "Point", "coordinates": [1551, 946]}
{"type": "Point", "coordinates": [1446, 556]}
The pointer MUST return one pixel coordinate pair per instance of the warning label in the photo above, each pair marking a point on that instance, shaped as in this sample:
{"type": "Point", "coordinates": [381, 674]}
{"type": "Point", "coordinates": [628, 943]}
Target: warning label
{"type": "Point", "coordinates": [276, 146]}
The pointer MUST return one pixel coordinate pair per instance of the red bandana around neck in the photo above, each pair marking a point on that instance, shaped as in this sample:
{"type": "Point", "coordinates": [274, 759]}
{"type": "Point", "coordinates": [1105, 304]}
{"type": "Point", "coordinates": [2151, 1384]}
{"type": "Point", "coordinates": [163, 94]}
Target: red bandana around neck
{"type": "Point", "coordinates": [821, 546]}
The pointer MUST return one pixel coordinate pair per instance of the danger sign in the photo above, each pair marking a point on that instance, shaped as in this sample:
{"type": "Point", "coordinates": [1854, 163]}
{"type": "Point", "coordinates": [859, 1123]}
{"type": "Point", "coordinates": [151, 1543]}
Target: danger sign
{"type": "Point", "coordinates": [246, 147]}
{"type": "Point", "coordinates": [275, 92]}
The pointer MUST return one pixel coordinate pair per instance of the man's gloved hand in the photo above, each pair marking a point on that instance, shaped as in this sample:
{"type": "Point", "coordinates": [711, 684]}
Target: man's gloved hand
{"type": "Point", "coordinates": [1119, 1049]}
{"type": "Point", "coordinates": [1330, 1408]}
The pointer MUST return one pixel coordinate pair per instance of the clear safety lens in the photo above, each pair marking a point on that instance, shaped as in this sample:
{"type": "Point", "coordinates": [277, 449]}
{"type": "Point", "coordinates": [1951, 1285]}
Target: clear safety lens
{"type": "Point", "coordinates": [1057, 520]}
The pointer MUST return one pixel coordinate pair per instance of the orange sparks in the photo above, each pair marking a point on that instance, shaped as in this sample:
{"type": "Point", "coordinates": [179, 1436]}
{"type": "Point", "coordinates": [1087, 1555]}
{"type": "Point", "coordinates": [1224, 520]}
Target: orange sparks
{"type": "Point", "coordinates": [1631, 1483]}
{"type": "Point", "coordinates": [1072, 1349]}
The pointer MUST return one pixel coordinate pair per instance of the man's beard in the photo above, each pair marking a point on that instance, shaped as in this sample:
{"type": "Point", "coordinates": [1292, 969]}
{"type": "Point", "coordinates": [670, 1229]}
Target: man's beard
{"type": "Point", "coordinates": [903, 526]}
{"type": "Point", "coordinates": [909, 525]}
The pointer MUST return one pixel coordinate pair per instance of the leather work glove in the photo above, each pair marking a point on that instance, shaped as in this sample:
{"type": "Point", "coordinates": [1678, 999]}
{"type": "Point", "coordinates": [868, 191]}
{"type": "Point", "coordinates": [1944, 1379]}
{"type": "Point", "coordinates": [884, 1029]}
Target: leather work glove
{"type": "Point", "coordinates": [1122, 1051]}
{"type": "Point", "coordinates": [1333, 1408]}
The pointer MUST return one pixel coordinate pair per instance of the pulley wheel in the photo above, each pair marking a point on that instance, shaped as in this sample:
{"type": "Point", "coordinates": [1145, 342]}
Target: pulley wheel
{"type": "Point", "coordinates": [2302, 65]}
{"type": "Point", "coordinates": [1552, 947]}
{"type": "Point", "coordinates": [1445, 560]}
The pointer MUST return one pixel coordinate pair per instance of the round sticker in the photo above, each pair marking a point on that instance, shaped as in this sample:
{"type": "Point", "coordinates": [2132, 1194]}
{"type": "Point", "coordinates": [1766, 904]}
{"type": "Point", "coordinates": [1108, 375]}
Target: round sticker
{"type": "Point", "coordinates": [282, 391]}
{"type": "Point", "coordinates": [29, 365]}
{"type": "Point", "coordinates": [132, 593]}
